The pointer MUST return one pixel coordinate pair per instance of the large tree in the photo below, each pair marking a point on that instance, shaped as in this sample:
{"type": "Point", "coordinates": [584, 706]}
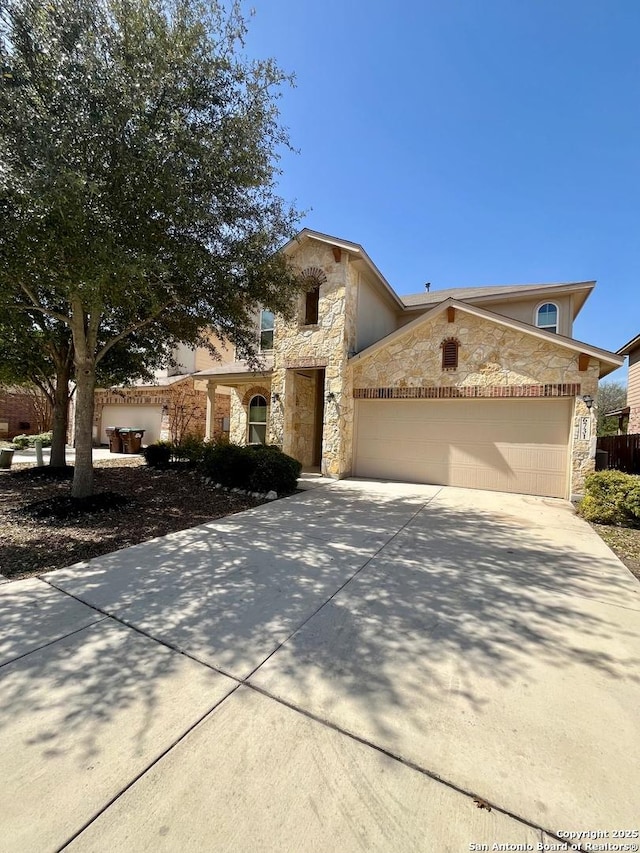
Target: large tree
{"type": "Point", "coordinates": [612, 396]}
{"type": "Point", "coordinates": [37, 351]}
{"type": "Point", "coordinates": [138, 170]}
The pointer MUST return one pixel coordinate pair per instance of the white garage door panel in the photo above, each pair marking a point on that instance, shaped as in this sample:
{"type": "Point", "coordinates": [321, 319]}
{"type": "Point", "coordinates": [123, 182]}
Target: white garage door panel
{"type": "Point", "coordinates": [148, 418]}
{"type": "Point", "coordinates": [504, 445]}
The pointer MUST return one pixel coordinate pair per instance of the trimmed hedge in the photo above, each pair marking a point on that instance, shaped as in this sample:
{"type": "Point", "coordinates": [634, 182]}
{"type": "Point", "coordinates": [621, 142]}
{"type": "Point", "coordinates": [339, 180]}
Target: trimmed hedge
{"type": "Point", "coordinates": [256, 468]}
{"type": "Point", "coordinates": [158, 455]}
{"type": "Point", "coordinates": [190, 449]}
{"type": "Point", "coordinates": [611, 497]}
{"type": "Point", "coordinates": [22, 441]}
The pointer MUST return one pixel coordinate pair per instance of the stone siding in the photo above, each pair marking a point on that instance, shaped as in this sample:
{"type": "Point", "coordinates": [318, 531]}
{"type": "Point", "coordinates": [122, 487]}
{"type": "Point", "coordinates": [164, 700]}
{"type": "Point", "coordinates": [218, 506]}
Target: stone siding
{"type": "Point", "coordinates": [323, 345]}
{"type": "Point", "coordinates": [239, 410]}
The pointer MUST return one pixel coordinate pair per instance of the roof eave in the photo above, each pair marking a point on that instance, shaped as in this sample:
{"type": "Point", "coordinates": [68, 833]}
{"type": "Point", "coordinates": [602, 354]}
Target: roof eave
{"type": "Point", "coordinates": [634, 343]}
{"type": "Point", "coordinates": [347, 246]}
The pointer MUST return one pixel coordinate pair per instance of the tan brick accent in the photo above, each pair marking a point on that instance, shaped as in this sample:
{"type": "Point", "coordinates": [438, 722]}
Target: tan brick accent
{"type": "Point", "coordinates": [255, 389]}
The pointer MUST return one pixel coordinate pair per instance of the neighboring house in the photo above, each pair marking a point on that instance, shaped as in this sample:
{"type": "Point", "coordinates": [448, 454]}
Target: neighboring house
{"type": "Point", "coordinates": [478, 387]}
{"type": "Point", "coordinates": [23, 410]}
{"type": "Point", "coordinates": [172, 406]}
{"type": "Point", "coordinates": [632, 409]}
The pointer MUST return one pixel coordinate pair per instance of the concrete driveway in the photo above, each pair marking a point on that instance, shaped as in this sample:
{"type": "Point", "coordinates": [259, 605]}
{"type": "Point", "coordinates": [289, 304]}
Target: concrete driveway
{"type": "Point", "coordinates": [364, 667]}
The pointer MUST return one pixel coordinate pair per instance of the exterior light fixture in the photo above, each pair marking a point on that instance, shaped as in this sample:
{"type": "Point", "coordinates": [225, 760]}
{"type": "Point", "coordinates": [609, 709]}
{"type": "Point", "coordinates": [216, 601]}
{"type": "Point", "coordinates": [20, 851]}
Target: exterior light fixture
{"type": "Point", "coordinates": [275, 398]}
{"type": "Point", "coordinates": [588, 400]}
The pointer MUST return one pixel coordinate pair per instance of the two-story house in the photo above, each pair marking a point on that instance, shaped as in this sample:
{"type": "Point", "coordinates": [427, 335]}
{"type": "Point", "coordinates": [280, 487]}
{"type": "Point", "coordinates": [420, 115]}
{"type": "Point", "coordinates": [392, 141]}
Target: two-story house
{"type": "Point", "coordinates": [632, 409]}
{"type": "Point", "coordinates": [480, 387]}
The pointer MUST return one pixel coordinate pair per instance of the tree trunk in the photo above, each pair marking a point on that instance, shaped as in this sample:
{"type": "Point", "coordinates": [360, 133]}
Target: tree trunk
{"type": "Point", "coordinates": [85, 386]}
{"type": "Point", "coordinates": [60, 418]}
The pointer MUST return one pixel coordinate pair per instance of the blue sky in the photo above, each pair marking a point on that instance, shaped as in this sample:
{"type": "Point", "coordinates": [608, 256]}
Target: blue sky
{"type": "Point", "coordinates": [470, 142]}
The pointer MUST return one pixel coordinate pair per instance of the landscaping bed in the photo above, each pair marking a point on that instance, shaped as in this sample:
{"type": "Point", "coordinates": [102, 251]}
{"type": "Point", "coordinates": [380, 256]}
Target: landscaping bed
{"type": "Point", "coordinates": [143, 503]}
{"type": "Point", "coordinates": [624, 542]}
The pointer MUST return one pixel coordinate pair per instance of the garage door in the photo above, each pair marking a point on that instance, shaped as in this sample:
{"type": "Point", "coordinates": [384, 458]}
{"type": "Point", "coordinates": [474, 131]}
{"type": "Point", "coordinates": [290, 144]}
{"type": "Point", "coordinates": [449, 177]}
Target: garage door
{"type": "Point", "coordinates": [148, 418]}
{"type": "Point", "coordinates": [503, 445]}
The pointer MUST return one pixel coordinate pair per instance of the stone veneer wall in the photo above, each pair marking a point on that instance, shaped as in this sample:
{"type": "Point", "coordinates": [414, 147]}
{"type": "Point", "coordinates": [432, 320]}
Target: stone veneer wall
{"type": "Point", "coordinates": [325, 345]}
{"type": "Point", "coordinates": [490, 356]}
{"type": "Point", "coordinates": [304, 395]}
{"type": "Point", "coordinates": [239, 410]}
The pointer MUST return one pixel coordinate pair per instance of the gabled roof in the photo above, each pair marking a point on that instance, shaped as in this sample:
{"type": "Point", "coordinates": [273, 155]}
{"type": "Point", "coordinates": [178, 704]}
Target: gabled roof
{"type": "Point", "coordinates": [418, 301]}
{"type": "Point", "coordinates": [609, 361]}
{"type": "Point", "coordinates": [498, 292]}
{"type": "Point", "coordinates": [353, 248]}
{"type": "Point", "coordinates": [634, 343]}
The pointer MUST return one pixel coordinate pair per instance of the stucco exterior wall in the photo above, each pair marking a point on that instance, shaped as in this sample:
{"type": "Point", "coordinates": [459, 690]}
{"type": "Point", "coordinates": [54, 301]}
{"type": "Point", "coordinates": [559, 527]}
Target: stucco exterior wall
{"type": "Point", "coordinates": [490, 356]}
{"type": "Point", "coordinates": [525, 311]}
{"type": "Point", "coordinates": [375, 317]}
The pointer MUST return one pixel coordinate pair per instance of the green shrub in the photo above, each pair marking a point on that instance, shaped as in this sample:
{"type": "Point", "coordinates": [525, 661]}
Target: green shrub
{"type": "Point", "coordinates": [273, 469]}
{"type": "Point", "coordinates": [22, 441]}
{"type": "Point", "coordinates": [227, 464]}
{"type": "Point", "coordinates": [158, 455]}
{"type": "Point", "coordinates": [611, 497]}
{"type": "Point", "coordinates": [191, 448]}
{"type": "Point", "coordinates": [257, 468]}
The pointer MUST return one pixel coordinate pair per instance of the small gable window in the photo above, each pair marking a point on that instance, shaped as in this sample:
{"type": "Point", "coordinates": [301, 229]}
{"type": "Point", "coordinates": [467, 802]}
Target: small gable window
{"type": "Point", "coordinates": [449, 354]}
{"type": "Point", "coordinates": [547, 317]}
{"type": "Point", "coordinates": [311, 305]}
{"type": "Point", "coordinates": [258, 420]}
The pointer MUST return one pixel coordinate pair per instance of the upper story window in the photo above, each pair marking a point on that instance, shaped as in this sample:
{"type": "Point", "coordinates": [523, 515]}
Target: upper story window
{"type": "Point", "coordinates": [449, 354]}
{"type": "Point", "coordinates": [267, 322]}
{"type": "Point", "coordinates": [312, 280]}
{"type": "Point", "coordinates": [258, 420]}
{"type": "Point", "coordinates": [312, 305]}
{"type": "Point", "coordinates": [547, 317]}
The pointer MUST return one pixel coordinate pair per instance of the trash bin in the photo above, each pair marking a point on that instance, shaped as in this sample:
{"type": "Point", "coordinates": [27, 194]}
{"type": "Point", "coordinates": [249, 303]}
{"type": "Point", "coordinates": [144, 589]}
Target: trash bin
{"type": "Point", "coordinates": [602, 460]}
{"type": "Point", "coordinates": [6, 457]}
{"type": "Point", "coordinates": [131, 440]}
{"type": "Point", "coordinates": [115, 439]}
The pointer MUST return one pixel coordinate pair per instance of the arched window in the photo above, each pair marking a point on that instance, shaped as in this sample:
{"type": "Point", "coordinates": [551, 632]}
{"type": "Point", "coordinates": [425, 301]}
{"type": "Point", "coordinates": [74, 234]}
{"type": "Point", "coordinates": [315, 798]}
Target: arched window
{"type": "Point", "coordinates": [547, 317]}
{"type": "Point", "coordinates": [258, 420]}
{"type": "Point", "coordinates": [449, 354]}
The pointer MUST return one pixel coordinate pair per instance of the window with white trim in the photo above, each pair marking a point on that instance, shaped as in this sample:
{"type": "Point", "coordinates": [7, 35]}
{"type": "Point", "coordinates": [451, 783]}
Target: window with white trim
{"type": "Point", "coordinates": [267, 323]}
{"type": "Point", "coordinates": [547, 317]}
{"type": "Point", "coordinates": [258, 420]}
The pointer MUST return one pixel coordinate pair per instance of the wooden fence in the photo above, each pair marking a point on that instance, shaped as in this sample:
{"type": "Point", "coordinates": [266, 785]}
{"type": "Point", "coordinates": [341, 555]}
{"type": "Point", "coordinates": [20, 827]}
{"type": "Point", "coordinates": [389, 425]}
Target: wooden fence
{"type": "Point", "coordinates": [623, 451]}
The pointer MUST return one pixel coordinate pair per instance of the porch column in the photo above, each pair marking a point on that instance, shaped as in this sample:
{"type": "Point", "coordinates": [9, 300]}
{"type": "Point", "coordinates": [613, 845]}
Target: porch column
{"type": "Point", "coordinates": [211, 409]}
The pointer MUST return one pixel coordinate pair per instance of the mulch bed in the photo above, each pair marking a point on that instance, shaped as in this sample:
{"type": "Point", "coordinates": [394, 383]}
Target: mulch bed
{"type": "Point", "coordinates": [44, 528]}
{"type": "Point", "coordinates": [624, 542]}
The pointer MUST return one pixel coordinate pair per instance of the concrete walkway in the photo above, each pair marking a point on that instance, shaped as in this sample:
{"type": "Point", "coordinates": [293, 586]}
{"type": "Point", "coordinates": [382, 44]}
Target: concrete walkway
{"type": "Point", "coordinates": [359, 667]}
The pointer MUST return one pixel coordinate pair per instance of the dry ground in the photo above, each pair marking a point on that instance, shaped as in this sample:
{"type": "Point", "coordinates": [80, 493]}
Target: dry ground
{"type": "Point", "coordinates": [625, 542]}
{"type": "Point", "coordinates": [162, 502]}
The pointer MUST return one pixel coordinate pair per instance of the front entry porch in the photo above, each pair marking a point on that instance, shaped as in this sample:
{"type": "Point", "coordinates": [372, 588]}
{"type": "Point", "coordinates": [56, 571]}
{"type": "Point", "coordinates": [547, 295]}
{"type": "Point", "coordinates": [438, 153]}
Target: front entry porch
{"type": "Point", "coordinates": [300, 409]}
{"type": "Point", "coordinates": [304, 419]}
